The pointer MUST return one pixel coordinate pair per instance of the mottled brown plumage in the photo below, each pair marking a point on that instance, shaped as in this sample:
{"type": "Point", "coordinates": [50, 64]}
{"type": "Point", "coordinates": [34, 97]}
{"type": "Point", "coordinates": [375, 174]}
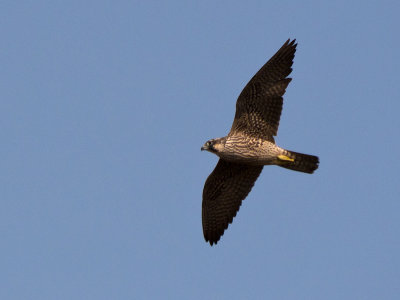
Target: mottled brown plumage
{"type": "Point", "coordinates": [224, 190]}
{"type": "Point", "coordinates": [250, 145]}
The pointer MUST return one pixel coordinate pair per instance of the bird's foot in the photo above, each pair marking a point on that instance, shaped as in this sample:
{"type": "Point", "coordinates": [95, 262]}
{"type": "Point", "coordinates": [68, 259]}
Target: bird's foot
{"type": "Point", "coordinates": [285, 158]}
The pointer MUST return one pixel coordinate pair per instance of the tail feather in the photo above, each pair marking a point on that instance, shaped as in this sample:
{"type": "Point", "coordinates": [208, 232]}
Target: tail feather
{"type": "Point", "coordinates": [301, 162]}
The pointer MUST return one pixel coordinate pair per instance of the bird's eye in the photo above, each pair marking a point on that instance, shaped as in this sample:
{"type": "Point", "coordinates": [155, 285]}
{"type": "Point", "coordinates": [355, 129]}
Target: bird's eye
{"type": "Point", "coordinates": [208, 143]}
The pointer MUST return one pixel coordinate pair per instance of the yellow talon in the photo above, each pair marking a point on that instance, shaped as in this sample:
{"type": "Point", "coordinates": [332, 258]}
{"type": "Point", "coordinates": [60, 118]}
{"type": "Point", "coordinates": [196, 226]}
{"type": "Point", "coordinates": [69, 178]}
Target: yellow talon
{"type": "Point", "coordinates": [284, 157]}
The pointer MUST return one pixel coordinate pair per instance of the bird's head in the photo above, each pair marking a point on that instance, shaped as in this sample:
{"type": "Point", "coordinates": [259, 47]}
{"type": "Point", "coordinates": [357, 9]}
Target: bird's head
{"type": "Point", "coordinates": [214, 145]}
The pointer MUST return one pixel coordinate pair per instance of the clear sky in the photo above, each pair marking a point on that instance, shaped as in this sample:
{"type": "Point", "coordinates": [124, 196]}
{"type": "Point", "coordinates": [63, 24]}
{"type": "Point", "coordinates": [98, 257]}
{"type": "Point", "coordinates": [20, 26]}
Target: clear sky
{"type": "Point", "coordinates": [104, 106]}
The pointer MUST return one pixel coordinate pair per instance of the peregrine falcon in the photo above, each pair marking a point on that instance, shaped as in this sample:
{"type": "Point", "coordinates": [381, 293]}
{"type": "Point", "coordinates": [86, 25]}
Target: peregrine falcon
{"type": "Point", "coordinates": [250, 145]}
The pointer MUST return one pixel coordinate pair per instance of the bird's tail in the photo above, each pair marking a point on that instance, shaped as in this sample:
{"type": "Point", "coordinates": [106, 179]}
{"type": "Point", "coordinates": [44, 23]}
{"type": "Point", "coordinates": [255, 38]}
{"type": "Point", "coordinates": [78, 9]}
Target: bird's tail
{"type": "Point", "coordinates": [298, 161]}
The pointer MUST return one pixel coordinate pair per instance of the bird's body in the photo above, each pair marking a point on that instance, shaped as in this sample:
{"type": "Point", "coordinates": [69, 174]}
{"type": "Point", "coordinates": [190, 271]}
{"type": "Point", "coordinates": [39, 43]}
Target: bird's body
{"type": "Point", "coordinates": [250, 145]}
{"type": "Point", "coordinates": [247, 150]}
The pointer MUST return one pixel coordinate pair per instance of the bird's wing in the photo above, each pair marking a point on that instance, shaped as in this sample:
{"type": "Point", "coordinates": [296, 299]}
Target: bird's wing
{"type": "Point", "coordinates": [223, 193]}
{"type": "Point", "coordinates": [259, 106]}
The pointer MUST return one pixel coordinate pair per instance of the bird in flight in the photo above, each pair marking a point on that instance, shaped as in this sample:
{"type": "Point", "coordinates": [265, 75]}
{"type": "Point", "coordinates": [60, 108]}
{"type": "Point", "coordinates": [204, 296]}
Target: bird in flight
{"type": "Point", "coordinates": [250, 145]}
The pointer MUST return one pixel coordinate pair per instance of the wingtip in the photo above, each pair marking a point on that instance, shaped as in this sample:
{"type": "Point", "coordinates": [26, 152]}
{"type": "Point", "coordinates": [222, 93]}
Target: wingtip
{"type": "Point", "coordinates": [212, 237]}
{"type": "Point", "coordinates": [289, 44]}
{"type": "Point", "coordinates": [212, 241]}
{"type": "Point", "coordinates": [293, 43]}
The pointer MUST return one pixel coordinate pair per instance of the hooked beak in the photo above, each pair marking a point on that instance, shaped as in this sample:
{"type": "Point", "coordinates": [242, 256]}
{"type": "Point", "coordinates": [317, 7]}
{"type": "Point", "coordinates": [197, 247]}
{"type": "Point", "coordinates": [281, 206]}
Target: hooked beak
{"type": "Point", "coordinates": [203, 148]}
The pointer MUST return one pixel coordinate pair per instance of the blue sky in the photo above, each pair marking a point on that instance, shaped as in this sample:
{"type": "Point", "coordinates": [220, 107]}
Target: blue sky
{"type": "Point", "coordinates": [105, 105]}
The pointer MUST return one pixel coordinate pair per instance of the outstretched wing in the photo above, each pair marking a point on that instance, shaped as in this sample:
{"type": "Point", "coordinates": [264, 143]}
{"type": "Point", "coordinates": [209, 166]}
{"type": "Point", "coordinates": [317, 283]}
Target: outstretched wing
{"type": "Point", "coordinates": [223, 193]}
{"type": "Point", "coordinates": [259, 106]}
